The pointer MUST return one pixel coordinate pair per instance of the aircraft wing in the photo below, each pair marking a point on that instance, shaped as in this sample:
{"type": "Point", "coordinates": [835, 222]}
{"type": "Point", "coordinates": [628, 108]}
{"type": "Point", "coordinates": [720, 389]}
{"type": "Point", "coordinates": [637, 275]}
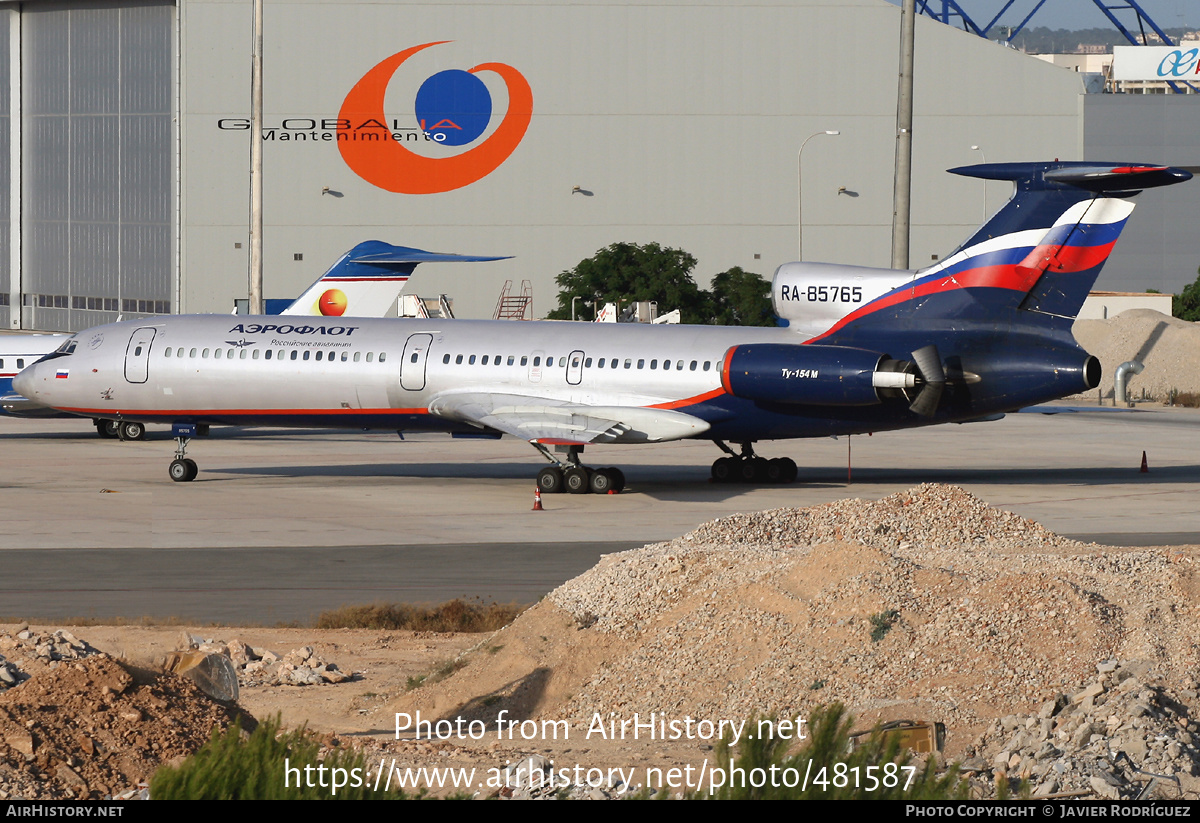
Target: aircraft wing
{"type": "Point", "coordinates": [558, 421]}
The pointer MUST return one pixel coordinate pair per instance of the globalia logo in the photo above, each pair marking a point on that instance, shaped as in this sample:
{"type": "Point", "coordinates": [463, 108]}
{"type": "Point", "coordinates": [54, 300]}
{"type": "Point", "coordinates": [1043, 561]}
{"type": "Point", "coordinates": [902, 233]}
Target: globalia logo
{"type": "Point", "coordinates": [453, 108]}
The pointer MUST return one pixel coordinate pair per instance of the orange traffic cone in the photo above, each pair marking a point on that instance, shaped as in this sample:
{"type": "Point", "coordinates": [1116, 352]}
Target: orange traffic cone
{"type": "Point", "coordinates": [1145, 468]}
{"type": "Point", "coordinates": [537, 499]}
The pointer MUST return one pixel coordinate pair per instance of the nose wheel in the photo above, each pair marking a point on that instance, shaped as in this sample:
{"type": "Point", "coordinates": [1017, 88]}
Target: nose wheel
{"type": "Point", "coordinates": [183, 470]}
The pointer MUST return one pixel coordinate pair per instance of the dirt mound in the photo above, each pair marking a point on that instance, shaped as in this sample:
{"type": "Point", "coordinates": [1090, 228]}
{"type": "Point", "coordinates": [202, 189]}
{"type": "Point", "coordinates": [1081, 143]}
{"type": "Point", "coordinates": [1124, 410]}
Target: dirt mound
{"type": "Point", "coordinates": [1169, 348]}
{"type": "Point", "coordinates": [927, 603]}
{"type": "Point", "coordinates": [94, 727]}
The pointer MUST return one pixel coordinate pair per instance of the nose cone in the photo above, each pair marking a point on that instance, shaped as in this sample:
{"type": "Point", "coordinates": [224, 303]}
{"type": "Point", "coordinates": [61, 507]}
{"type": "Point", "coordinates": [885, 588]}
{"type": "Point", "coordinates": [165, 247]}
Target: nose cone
{"type": "Point", "coordinates": [23, 383]}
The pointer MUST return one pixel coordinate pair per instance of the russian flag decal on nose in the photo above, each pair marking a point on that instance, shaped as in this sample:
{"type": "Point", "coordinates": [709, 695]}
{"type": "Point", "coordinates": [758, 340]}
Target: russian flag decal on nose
{"type": "Point", "coordinates": [62, 374]}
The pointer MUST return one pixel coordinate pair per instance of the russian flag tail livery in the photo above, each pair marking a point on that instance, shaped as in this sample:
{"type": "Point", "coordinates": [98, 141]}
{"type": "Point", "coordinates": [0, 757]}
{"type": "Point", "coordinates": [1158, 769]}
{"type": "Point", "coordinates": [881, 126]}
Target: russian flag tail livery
{"type": "Point", "coordinates": [1045, 248]}
{"type": "Point", "coordinates": [366, 280]}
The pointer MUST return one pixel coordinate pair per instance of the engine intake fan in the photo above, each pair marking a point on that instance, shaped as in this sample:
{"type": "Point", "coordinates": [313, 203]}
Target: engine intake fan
{"type": "Point", "coordinates": [933, 377]}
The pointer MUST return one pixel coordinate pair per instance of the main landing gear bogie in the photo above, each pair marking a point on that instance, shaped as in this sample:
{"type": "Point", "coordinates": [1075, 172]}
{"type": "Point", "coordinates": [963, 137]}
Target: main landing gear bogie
{"type": "Point", "coordinates": [580, 480]}
{"type": "Point", "coordinates": [747, 467]}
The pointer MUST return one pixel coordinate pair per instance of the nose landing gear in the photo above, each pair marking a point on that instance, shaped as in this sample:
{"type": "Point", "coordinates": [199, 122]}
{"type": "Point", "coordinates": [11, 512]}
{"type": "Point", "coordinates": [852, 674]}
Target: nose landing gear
{"type": "Point", "coordinates": [183, 469]}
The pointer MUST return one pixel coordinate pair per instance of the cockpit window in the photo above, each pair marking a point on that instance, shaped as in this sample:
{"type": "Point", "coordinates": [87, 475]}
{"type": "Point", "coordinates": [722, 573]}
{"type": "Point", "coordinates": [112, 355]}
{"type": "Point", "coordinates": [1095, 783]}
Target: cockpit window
{"type": "Point", "coordinates": [62, 351]}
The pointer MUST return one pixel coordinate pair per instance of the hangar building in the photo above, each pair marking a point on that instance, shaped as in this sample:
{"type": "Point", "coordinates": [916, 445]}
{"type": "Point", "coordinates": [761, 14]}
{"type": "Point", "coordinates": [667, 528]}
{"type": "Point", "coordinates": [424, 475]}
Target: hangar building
{"type": "Point", "coordinates": [544, 130]}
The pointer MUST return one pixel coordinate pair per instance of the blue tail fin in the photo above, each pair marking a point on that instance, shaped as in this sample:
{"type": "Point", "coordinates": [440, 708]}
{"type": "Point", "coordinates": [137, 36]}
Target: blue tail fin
{"type": "Point", "coordinates": [1046, 247]}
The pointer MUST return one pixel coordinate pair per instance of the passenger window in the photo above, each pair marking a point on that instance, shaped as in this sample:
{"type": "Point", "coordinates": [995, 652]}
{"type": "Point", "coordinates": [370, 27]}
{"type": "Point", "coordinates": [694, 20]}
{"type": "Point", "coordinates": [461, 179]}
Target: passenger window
{"type": "Point", "coordinates": [267, 356]}
{"type": "Point", "coordinates": [706, 364]}
{"type": "Point", "coordinates": [179, 352]}
{"type": "Point", "coordinates": [192, 353]}
{"type": "Point", "coordinates": [306, 354]}
{"type": "Point", "coordinates": [612, 363]}
{"type": "Point", "coordinates": [679, 365]}
{"type": "Point", "coordinates": [524, 360]}
{"type": "Point", "coordinates": [445, 358]}
{"type": "Point", "coordinates": [413, 359]}
{"type": "Point", "coordinates": [216, 354]}
{"type": "Point", "coordinates": [370, 356]}
{"type": "Point", "coordinates": [641, 364]}
{"type": "Point", "coordinates": [229, 354]}
{"type": "Point", "coordinates": [666, 365]}
{"type": "Point", "coordinates": [471, 360]}
{"type": "Point", "coordinates": [256, 354]}
{"type": "Point", "coordinates": [537, 361]}
{"type": "Point", "coordinates": [345, 356]}
{"type": "Point", "coordinates": [574, 362]}
{"type": "Point", "coordinates": [693, 366]}
{"type": "Point", "coordinates": [587, 363]}
{"type": "Point", "coordinates": [511, 360]}
{"type": "Point", "coordinates": [628, 362]}
{"type": "Point", "coordinates": [20, 362]}
{"type": "Point", "coordinates": [320, 355]}
{"type": "Point", "coordinates": [600, 363]}
{"type": "Point", "coordinates": [167, 353]}
{"type": "Point", "coordinates": [358, 354]}
{"type": "Point", "coordinates": [294, 354]}
{"type": "Point", "coordinates": [496, 360]}
{"type": "Point", "coordinates": [482, 362]}
{"type": "Point", "coordinates": [654, 364]}
{"type": "Point", "coordinates": [458, 360]}
{"type": "Point", "coordinates": [382, 356]}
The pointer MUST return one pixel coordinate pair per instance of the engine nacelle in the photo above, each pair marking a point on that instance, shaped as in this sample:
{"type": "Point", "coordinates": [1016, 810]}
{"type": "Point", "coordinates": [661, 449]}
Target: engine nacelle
{"type": "Point", "coordinates": [812, 297]}
{"type": "Point", "coordinates": [816, 375]}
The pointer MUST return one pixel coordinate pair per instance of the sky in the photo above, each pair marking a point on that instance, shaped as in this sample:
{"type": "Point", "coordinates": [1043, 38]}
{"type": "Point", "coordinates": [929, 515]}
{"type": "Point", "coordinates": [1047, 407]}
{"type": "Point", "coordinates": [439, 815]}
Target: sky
{"type": "Point", "coordinates": [1079, 14]}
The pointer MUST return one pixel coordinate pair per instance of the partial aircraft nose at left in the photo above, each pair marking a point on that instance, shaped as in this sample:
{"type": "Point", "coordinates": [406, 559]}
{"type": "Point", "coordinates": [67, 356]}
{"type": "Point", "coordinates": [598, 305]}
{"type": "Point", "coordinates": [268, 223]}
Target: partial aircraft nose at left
{"type": "Point", "coordinates": [24, 382]}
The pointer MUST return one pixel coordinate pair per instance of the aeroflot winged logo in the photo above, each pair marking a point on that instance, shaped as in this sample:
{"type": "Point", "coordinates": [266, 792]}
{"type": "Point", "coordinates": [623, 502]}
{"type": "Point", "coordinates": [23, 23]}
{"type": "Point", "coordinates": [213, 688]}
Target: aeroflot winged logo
{"type": "Point", "coordinates": [454, 108]}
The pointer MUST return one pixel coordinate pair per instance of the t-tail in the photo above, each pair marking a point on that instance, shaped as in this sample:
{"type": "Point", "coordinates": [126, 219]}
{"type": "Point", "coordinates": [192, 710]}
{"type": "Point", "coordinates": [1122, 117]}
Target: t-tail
{"type": "Point", "coordinates": [1047, 245]}
{"type": "Point", "coordinates": [1031, 265]}
{"type": "Point", "coordinates": [366, 280]}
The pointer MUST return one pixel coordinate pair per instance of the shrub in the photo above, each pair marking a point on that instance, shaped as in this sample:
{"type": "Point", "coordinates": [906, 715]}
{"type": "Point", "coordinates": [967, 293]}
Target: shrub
{"type": "Point", "coordinates": [229, 767]}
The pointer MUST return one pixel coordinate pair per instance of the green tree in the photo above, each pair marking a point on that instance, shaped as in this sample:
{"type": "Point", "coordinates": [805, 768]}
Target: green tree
{"type": "Point", "coordinates": [1186, 304]}
{"type": "Point", "coordinates": [625, 272]}
{"type": "Point", "coordinates": [741, 298]}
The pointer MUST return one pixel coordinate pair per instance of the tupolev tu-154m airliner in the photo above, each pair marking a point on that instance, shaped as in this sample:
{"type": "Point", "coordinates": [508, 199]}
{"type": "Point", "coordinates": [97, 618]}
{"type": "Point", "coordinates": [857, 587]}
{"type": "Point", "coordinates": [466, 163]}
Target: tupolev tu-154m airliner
{"type": "Point", "coordinates": [985, 331]}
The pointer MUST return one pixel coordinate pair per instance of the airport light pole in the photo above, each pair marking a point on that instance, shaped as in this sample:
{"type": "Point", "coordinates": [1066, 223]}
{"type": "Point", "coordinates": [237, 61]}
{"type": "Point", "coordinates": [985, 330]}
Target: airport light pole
{"type": "Point", "coordinates": [800, 192]}
{"type": "Point", "coordinates": [984, 158]}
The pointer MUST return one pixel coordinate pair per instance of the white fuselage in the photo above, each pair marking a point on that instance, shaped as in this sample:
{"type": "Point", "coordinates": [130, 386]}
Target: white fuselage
{"type": "Point", "coordinates": [357, 371]}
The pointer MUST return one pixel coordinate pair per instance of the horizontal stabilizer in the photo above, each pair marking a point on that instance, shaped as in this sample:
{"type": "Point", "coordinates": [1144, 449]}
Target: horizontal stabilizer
{"type": "Point", "coordinates": [378, 253]}
{"type": "Point", "coordinates": [1096, 177]}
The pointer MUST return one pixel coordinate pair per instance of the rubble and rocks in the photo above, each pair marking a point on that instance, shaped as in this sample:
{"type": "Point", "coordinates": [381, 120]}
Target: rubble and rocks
{"type": "Point", "coordinates": [1127, 735]}
{"type": "Point", "coordinates": [24, 652]}
{"type": "Point", "coordinates": [94, 728]}
{"type": "Point", "coordinates": [263, 667]}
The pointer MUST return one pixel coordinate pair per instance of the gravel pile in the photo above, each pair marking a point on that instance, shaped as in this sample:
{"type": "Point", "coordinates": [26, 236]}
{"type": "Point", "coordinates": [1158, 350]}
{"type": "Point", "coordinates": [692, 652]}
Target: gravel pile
{"type": "Point", "coordinates": [925, 604]}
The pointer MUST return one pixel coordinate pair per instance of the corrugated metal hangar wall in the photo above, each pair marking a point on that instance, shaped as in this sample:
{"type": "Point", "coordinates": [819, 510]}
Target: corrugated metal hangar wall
{"type": "Point", "coordinates": [545, 130]}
